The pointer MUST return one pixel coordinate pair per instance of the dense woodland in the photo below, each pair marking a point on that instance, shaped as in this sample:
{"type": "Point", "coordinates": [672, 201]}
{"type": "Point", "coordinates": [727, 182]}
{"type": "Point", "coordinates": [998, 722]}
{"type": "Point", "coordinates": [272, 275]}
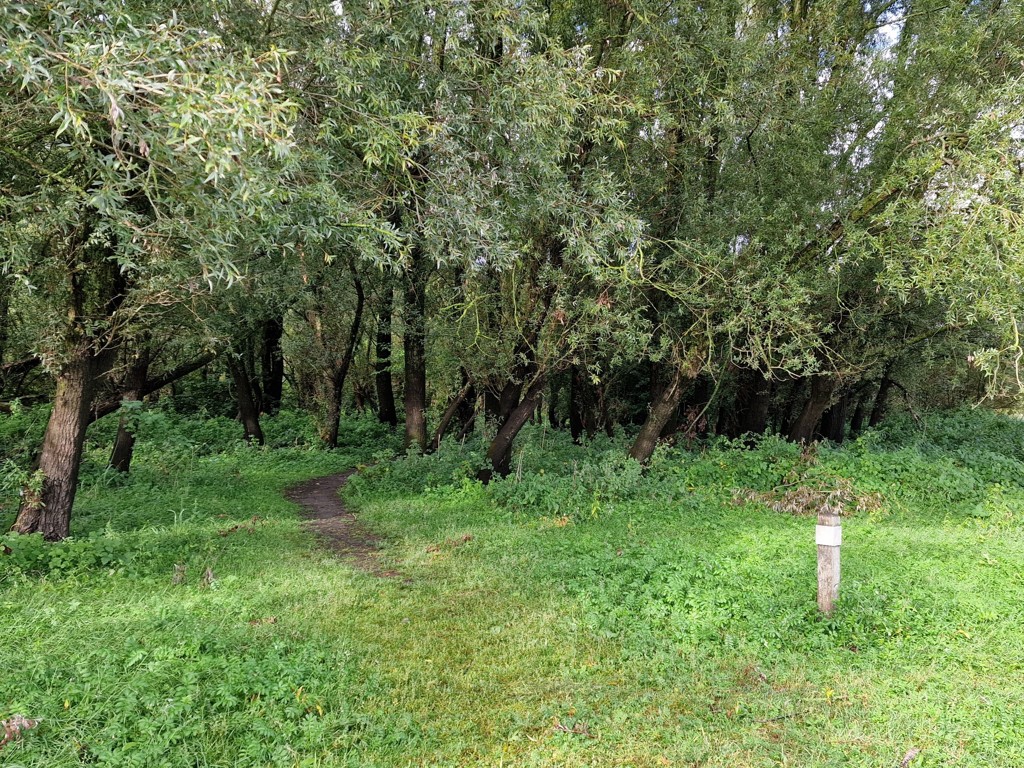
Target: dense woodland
{"type": "Point", "coordinates": [407, 383]}
{"type": "Point", "coordinates": [665, 220]}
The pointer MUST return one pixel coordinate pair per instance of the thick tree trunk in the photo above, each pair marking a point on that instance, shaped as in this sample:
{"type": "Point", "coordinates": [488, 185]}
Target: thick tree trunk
{"type": "Point", "coordinates": [272, 365]}
{"type": "Point", "coordinates": [509, 397]}
{"type": "Point", "coordinates": [97, 288]}
{"type": "Point", "coordinates": [662, 408]}
{"type": "Point", "coordinates": [382, 366]}
{"type": "Point", "coordinates": [414, 344]}
{"type": "Point", "coordinates": [499, 454]}
{"type": "Point", "coordinates": [803, 429]}
{"type": "Point", "coordinates": [48, 510]}
{"type": "Point", "coordinates": [248, 413]}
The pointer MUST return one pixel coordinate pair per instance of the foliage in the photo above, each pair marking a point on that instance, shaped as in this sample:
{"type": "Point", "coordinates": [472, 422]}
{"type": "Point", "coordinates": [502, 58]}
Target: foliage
{"type": "Point", "coordinates": [522, 623]}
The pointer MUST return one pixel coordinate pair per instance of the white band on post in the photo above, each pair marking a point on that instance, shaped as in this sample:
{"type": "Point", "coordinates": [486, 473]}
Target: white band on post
{"type": "Point", "coordinates": [828, 535]}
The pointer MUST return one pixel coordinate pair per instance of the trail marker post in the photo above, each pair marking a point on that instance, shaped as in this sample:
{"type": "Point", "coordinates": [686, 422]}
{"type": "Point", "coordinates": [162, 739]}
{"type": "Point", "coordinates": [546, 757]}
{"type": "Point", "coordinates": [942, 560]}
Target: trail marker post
{"type": "Point", "coordinates": [828, 535]}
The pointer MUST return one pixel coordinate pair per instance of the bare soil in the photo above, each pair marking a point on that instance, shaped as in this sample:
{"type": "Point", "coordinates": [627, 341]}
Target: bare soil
{"type": "Point", "coordinates": [337, 528]}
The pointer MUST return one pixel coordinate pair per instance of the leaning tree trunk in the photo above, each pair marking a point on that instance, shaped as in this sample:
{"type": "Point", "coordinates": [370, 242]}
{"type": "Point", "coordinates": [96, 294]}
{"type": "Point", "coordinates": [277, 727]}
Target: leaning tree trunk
{"type": "Point", "coordinates": [804, 427]}
{"type": "Point", "coordinates": [47, 509]}
{"type": "Point", "coordinates": [248, 412]}
{"type": "Point", "coordinates": [499, 454]}
{"type": "Point", "coordinates": [382, 366]}
{"type": "Point", "coordinates": [454, 408]}
{"type": "Point", "coordinates": [662, 408]}
{"type": "Point", "coordinates": [341, 370]}
{"type": "Point", "coordinates": [414, 344]}
{"type": "Point", "coordinates": [152, 386]}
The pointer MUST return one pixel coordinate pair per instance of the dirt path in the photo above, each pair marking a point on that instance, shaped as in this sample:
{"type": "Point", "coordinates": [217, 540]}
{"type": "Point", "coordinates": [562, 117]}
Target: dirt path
{"type": "Point", "coordinates": [339, 529]}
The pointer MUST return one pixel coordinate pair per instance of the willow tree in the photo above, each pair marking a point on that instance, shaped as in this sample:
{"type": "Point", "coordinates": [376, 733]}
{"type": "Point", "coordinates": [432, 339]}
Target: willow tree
{"type": "Point", "coordinates": [782, 137]}
{"type": "Point", "coordinates": [136, 149]}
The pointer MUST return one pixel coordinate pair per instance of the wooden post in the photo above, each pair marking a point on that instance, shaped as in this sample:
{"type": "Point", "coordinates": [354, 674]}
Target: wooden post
{"type": "Point", "coordinates": [829, 537]}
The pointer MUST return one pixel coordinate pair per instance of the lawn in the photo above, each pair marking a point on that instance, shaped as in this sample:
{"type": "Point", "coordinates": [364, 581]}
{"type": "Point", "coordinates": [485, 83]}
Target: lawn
{"type": "Point", "coordinates": [580, 613]}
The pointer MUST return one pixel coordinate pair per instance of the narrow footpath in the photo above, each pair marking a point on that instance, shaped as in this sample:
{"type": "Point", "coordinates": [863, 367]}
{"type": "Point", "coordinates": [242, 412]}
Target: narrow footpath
{"type": "Point", "coordinates": [338, 529]}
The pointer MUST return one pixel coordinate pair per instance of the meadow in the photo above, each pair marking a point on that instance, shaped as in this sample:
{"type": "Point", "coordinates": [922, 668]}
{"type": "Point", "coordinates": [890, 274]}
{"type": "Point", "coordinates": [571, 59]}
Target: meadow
{"type": "Point", "coordinates": [582, 612]}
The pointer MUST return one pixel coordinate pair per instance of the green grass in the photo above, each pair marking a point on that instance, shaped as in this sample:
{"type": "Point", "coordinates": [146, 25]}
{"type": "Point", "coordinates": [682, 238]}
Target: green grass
{"type": "Point", "coordinates": [595, 617]}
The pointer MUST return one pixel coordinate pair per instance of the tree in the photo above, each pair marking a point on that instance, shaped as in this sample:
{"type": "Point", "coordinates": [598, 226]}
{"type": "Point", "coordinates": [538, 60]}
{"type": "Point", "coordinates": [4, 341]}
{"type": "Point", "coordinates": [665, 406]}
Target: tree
{"type": "Point", "coordinates": [126, 138]}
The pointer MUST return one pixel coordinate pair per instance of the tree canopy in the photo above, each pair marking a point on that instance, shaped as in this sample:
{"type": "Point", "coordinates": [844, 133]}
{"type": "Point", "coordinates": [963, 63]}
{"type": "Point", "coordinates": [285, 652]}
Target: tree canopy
{"type": "Point", "coordinates": [677, 218]}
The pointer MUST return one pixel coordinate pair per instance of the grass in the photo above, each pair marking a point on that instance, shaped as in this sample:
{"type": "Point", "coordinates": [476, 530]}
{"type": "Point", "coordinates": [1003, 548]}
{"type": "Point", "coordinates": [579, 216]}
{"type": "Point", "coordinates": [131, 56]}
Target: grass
{"type": "Point", "coordinates": [588, 615]}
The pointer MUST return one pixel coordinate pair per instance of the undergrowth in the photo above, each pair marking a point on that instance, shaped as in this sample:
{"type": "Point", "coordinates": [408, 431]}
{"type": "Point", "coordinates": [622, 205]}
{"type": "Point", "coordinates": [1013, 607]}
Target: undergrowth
{"type": "Point", "coordinates": [582, 611]}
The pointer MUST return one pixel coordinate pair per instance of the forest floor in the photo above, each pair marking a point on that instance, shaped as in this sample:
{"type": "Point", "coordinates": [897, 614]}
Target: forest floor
{"type": "Point", "coordinates": [580, 613]}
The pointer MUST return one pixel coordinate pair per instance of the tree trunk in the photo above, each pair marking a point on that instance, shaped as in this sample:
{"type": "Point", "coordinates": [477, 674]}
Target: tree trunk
{"type": "Point", "coordinates": [109, 405]}
{"type": "Point", "coordinates": [661, 411]}
{"type": "Point", "coordinates": [341, 369]}
{"type": "Point", "coordinates": [248, 413]}
{"type": "Point", "coordinates": [509, 397]}
{"type": "Point", "coordinates": [857, 420]}
{"type": "Point", "coordinates": [499, 454]}
{"type": "Point", "coordinates": [878, 409]}
{"type": "Point", "coordinates": [5, 305]}
{"type": "Point", "coordinates": [803, 429]}
{"type": "Point", "coordinates": [753, 402]}
{"type": "Point", "coordinates": [468, 417]}
{"type": "Point", "coordinates": [553, 421]}
{"type": "Point", "coordinates": [17, 370]}
{"type": "Point", "coordinates": [577, 404]}
{"type": "Point", "coordinates": [48, 510]}
{"type": "Point", "coordinates": [382, 366]}
{"type": "Point", "coordinates": [124, 443]}
{"type": "Point", "coordinates": [492, 407]}
{"type": "Point", "coordinates": [786, 414]}
{"type": "Point", "coordinates": [132, 388]}
{"type": "Point", "coordinates": [453, 408]}
{"type": "Point", "coordinates": [833, 421]}
{"type": "Point", "coordinates": [272, 365]}
{"type": "Point", "coordinates": [467, 408]}
{"type": "Point", "coordinates": [414, 344]}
